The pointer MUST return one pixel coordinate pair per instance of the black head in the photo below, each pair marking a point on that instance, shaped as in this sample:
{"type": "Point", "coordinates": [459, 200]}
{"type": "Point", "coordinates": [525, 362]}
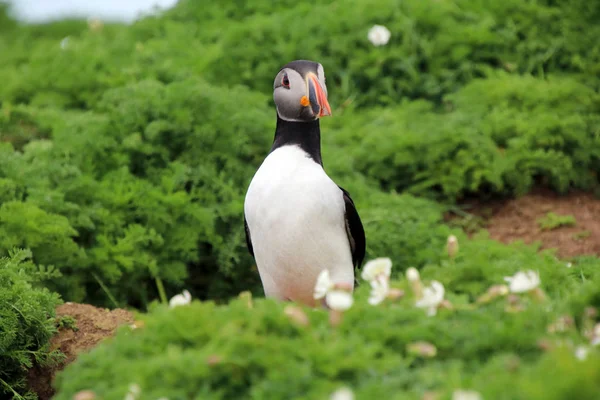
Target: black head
{"type": "Point", "coordinates": [300, 92]}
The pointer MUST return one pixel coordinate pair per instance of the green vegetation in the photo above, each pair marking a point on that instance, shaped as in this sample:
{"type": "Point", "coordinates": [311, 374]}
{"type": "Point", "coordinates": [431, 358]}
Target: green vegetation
{"type": "Point", "coordinates": [126, 151]}
{"type": "Point", "coordinates": [26, 321]}
{"type": "Point", "coordinates": [254, 350]}
{"type": "Point", "coordinates": [582, 235]}
{"type": "Point", "coordinates": [553, 221]}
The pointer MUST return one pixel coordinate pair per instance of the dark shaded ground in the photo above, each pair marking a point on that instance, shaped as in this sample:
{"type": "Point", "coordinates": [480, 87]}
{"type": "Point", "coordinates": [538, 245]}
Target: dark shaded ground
{"type": "Point", "coordinates": [92, 325]}
{"type": "Point", "coordinates": [518, 219]}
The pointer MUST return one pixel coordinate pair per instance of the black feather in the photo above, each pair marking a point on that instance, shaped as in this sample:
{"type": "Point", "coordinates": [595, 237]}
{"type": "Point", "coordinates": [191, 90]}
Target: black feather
{"type": "Point", "coordinates": [355, 230]}
{"type": "Point", "coordinates": [248, 239]}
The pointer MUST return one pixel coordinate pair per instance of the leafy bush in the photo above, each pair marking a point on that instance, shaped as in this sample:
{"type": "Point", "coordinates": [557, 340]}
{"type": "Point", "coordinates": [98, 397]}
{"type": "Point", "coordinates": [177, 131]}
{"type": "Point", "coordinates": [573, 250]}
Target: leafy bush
{"type": "Point", "coordinates": [435, 48]}
{"type": "Point", "coordinates": [501, 135]}
{"type": "Point", "coordinates": [255, 351]}
{"type": "Point", "coordinates": [135, 188]}
{"type": "Point", "coordinates": [26, 321]}
{"type": "Point", "coordinates": [130, 147]}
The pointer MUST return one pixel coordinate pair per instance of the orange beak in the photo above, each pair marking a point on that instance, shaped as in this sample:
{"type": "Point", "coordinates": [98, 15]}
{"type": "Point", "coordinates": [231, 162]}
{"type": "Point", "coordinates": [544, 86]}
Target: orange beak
{"type": "Point", "coordinates": [317, 97]}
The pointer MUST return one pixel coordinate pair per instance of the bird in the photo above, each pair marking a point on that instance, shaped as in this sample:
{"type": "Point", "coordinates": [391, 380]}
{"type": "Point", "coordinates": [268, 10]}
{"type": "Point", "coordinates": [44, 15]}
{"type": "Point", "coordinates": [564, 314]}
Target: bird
{"type": "Point", "coordinates": [297, 220]}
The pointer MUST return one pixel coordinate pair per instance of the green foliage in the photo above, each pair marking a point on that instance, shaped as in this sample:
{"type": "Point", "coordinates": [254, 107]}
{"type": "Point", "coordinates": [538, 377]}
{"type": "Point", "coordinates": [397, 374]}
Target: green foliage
{"type": "Point", "coordinates": [126, 150]}
{"type": "Point", "coordinates": [582, 235]}
{"type": "Point", "coordinates": [129, 193]}
{"type": "Point", "coordinates": [552, 221]}
{"type": "Point", "coordinates": [26, 321]}
{"type": "Point", "coordinates": [235, 351]}
{"type": "Point", "coordinates": [501, 135]}
{"type": "Point", "coordinates": [130, 147]}
{"type": "Point", "coordinates": [67, 322]}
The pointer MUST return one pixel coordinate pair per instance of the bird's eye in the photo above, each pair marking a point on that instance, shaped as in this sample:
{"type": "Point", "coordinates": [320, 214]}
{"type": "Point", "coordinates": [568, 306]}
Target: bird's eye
{"type": "Point", "coordinates": [285, 81]}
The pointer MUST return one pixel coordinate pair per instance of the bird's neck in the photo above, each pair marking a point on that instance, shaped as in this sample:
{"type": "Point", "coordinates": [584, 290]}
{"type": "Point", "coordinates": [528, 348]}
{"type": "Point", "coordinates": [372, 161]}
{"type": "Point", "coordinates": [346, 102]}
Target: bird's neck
{"type": "Point", "coordinates": [306, 135]}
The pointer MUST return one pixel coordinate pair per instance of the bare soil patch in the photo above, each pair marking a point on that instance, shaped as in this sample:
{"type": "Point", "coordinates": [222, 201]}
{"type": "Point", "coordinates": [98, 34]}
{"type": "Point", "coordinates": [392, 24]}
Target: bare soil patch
{"type": "Point", "coordinates": [520, 219]}
{"type": "Point", "coordinates": [92, 325]}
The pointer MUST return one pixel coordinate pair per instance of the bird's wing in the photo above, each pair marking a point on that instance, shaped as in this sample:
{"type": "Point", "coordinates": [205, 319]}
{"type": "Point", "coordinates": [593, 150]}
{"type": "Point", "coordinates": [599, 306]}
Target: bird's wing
{"type": "Point", "coordinates": [355, 230]}
{"type": "Point", "coordinates": [248, 239]}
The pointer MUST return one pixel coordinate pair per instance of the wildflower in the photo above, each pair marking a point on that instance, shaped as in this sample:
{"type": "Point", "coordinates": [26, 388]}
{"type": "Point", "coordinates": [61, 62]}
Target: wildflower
{"type": "Point", "coordinates": [134, 392]}
{"type": "Point", "coordinates": [431, 395]}
{"type": "Point", "coordinates": [380, 289]}
{"type": "Point", "coordinates": [374, 268]}
{"type": "Point", "coordinates": [523, 281]}
{"type": "Point", "coordinates": [581, 353]}
{"type": "Point", "coordinates": [422, 349]}
{"type": "Point", "coordinates": [296, 314]}
{"type": "Point", "coordinates": [588, 322]}
{"type": "Point", "coordinates": [181, 299]}
{"type": "Point", "coordinates": [343, 393]}
{"type": "Point", "coordinates": [513, 304]}
{"type": "Point", "coordinates": [412, 274]}
{"type": "Point", "coordinates": [84, 395]}
{"type": "Point", "coordinates": [323, 285]}
{"type": "Point", "coordinates": [95, 24]}
{"type": "Point", "coordinates": [137, 324]}
{"type": "Point", "coordinates": [433, 295]}
{"type": "Point", "coordinates": [338, 296]}
{"type": "Point", "coordinates": [379, 35]}
{"type": "Point", "coordinates": [65, 42]}
{"type": "Point", "coordinates": [339, 300]}
{"type": "Point", "coordinates": [452, 246]}
{"type": "Point", "coordinates": [562, 324]}
{"type": "Point", "coordinates": [466, 395]}
{"type": "Point", "coordinates": [247, 297]}
{"type": "Point", "coordinates": [213, 360]}
{"type": "Point", "coordinates": [569, 265]}
{"type": "Point", "coordinates": [492, 293]}
{"type": "Point", "coordinates": [545, 344]}
{"type": "Point", "coordinates": [395, 293]}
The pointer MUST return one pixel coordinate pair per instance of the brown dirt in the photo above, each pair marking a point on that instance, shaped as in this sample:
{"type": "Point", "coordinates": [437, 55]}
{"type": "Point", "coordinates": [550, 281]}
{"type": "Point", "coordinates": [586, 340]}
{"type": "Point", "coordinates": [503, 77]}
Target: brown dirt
{"type": "Point", "coordinates": [517, 219]}
{"type": "Point", "coordinates": [92, 325]}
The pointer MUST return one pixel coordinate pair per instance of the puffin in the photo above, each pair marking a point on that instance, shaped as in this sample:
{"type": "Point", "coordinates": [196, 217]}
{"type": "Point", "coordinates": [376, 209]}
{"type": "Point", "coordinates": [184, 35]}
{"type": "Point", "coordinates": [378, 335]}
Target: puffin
{"type": "Point", "coordinates": [298, 221]}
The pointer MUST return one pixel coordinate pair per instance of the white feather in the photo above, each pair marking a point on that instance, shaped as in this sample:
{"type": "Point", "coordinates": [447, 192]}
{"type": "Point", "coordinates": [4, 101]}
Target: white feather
{"type": "Point", "coordinates": [295, 214]}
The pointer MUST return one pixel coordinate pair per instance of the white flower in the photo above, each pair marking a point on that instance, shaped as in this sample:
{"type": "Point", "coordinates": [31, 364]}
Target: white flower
{"type": "Point", "coordinates": [377, 267]}
{"type": "Point", "coordinates": [342, 394]}
{"type": "Point", "coordinates": [181, 299]}
{"type": "Point", "coordinates": [433, 295]}
{"type": "Point", "coordinates": [581, 353]}
{"type": "Point", "coordinates": [65, 42]}
{"type": "Point", "coordinates": [379, 35]}
{"type": "Point", "coordinates": [134, 392]}
{"type": "Point", "coordinates": [323, 285]}
{"type": "Point", "coordinates": [339, 300]}
{"type": "Point", "coordinates": [380, 288]}
{"type": "Point", "coordinates": [523, 281]}
{"type": "Point", "coordinates": [466, 395]}
{"type": "Point", "coordinates": [569, 265]}
{"type": "Point", "coordinates": [412, 274]}
{"type": "Point", "coordinates": [452, 246]}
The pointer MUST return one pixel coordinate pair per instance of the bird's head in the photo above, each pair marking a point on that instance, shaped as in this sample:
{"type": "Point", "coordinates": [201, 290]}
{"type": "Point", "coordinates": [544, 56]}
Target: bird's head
{"type": "Point", "coordinates": [300, 92]}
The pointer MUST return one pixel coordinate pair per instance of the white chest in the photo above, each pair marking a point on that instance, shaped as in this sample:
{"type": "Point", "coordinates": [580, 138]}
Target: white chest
{"type": "Point", "coordinates": [295, 214]}
{"type": "Point", "coordinates": [290, 185]}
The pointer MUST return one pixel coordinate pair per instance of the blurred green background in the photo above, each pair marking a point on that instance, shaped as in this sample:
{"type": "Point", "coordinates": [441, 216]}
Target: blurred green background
{"type": "Point", "coordinates": [126, 150]}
